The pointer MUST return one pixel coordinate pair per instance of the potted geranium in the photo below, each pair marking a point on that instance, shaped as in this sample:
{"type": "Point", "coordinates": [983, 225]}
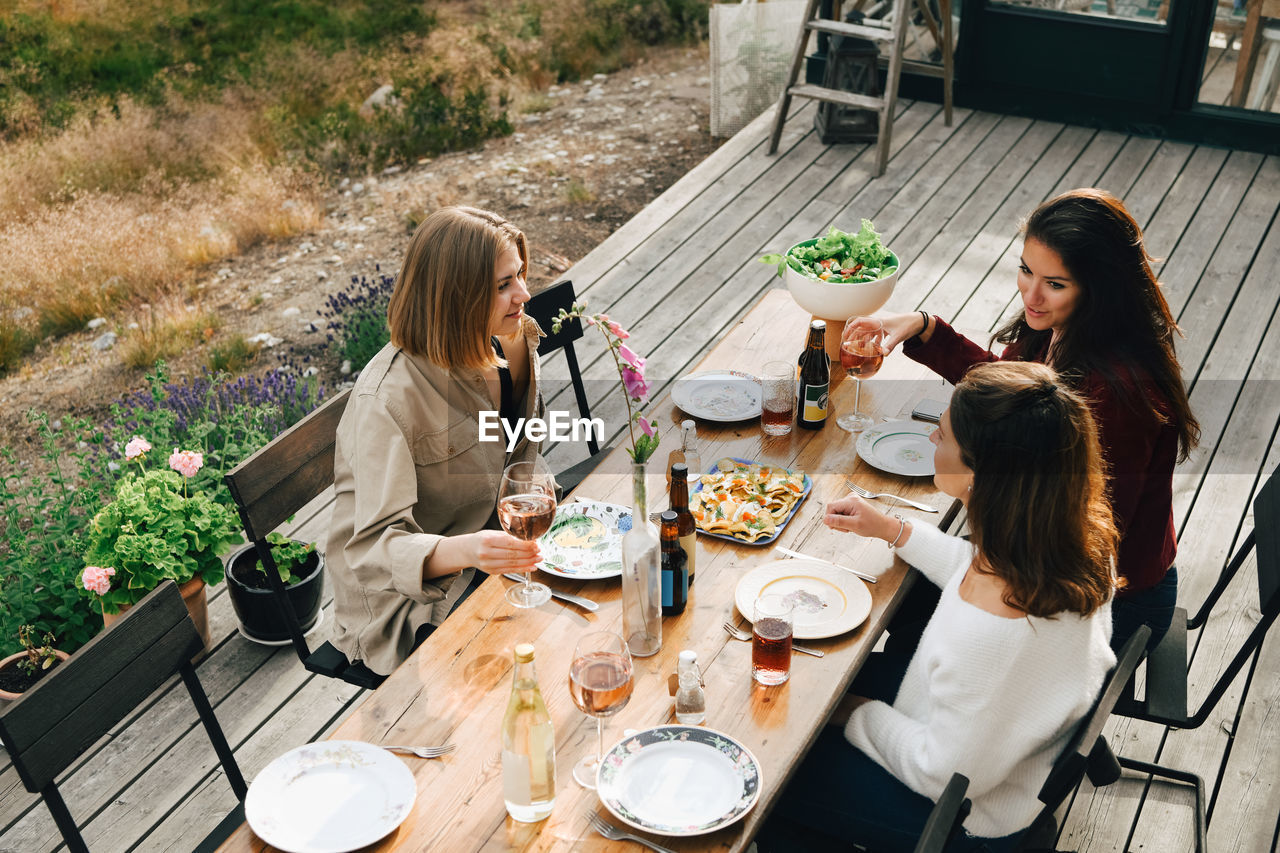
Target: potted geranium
{"type": "Point", "coordinates": [155, 529]}
{"type": "Point", "coordinates": [20, 672]}
{"type": "Point", "coordinates": [301, 569]}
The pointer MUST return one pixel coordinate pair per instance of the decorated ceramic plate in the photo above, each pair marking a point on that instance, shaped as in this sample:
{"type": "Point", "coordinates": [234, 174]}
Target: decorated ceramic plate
{"type": "Point", "coordinates": [723, 396]}
{"type": "Point", "coordinates": [828, 601]}
{"type": "Point", "coordinates": [585, 541]}
{"type": "Point", "coordinates": [899, 447]}
{"type": "Point", "coordinates": [679, 780]}
{"type": "Point", "coordinates": [330, 797]}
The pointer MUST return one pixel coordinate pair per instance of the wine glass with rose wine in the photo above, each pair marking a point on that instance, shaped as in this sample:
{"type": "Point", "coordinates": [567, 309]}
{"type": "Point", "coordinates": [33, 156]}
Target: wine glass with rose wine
{"type": "Point", "coordinates": [600, 684]}
{"type": "Point", "coordinates": [861, 356]}
{"type": "Point", "coordinates": [526, 507]}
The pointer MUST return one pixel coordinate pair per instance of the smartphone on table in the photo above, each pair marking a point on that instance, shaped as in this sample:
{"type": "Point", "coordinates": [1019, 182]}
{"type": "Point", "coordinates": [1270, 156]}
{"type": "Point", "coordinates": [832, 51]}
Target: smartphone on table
{"type": "Point", "coordinates": [929, 410]}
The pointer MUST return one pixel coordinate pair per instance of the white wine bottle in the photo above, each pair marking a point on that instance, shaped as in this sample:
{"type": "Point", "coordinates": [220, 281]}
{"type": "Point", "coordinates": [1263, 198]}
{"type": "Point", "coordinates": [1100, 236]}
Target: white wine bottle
{"type": "Point", "coordinates": [528, 746]}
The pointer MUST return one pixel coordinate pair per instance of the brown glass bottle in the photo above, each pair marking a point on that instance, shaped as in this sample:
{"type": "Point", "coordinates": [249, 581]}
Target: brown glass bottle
{"type": "Point", "coordinates": [815, 379]}
{"type": "Point", "coordinates": [686, 530]}
{"type": "Point", "coordinates": [675, 568]}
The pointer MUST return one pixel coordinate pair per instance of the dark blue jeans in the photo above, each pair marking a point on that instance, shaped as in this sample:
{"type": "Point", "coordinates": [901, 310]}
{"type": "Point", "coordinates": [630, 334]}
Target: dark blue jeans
{"type": "Point", "coordinates": [1153, 607]}
{"type": "Point", "coordinates": [838, 791]}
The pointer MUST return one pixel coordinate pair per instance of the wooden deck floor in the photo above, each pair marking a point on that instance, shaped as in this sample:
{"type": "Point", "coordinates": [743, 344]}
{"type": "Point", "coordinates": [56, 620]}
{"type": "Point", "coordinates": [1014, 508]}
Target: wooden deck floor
{"type": "Point", "coordinates": [683, 271]}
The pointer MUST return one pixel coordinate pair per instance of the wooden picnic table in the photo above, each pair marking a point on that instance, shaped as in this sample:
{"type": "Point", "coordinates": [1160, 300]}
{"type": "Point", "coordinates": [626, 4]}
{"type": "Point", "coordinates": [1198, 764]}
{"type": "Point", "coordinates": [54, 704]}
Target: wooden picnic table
{"type": "Point", "coordinates": [455, 687]}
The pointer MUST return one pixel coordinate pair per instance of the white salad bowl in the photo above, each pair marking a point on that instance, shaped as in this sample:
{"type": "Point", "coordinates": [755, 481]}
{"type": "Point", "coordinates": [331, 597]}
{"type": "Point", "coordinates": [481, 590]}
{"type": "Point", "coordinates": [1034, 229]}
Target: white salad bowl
{"type": "Point", "coordinates": [832, 301]}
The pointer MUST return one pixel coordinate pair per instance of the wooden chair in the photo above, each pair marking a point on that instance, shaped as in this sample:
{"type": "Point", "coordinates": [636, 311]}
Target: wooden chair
{"type": "Point", "coordinates": [83, 699]}
{"type": "Point", "coordinates": [272, 485]}
{"type": "Point", "coordinates": [1087, 753]}
{"type": "Point", "coordinates": [946, 818]}
{"type": "Point", "coordinates": [1165, 699]}
{"type": "Point", "coordinates": [544, 307]}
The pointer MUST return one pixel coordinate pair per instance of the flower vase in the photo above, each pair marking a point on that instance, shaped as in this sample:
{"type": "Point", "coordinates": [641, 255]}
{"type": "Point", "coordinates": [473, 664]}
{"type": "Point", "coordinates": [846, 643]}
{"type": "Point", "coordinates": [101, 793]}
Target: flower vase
{"type": "Point", "coordinates": [641, 575]}
{"type": "Point", "coordinates": [193, 595]}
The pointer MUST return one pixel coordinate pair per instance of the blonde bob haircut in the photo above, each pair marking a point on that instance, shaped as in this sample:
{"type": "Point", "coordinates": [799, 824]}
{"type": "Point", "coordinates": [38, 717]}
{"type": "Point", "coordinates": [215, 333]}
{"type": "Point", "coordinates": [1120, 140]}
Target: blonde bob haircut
{"type": "Point", "coordinates": [445, 292]}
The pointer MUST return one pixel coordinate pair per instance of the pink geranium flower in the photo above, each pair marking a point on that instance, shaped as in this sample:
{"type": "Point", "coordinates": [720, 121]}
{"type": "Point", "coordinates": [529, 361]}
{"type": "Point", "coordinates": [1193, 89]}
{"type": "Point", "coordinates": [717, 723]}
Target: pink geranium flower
{"type": "Point", "coordinates": [186, 462]}
{"type": "Point", "coordinates": [97, 579]}
{"type": "Point", "coordinates": [136, 447]}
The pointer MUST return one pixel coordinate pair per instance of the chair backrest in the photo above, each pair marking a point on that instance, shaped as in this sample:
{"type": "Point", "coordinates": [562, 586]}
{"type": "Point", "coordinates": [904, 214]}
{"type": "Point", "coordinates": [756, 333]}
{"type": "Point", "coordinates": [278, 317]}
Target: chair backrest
{"type": "Point", "coordinates": [86, 696]}
{"type": "Point", "coordinates": [1083, 747]}
{"type": "Point", "coordinates": [946, 818]}
{"type": "Point", "coordinates": [544, 307]}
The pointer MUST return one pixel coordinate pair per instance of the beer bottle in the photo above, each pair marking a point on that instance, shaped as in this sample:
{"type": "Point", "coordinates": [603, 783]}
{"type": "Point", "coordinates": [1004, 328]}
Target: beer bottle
{"type": "Point", "coordinates": [675, 568]}
{"type": "Point", "coordinates": [685, 527]}
{"type": "Point", "coordinates": [815, 378]}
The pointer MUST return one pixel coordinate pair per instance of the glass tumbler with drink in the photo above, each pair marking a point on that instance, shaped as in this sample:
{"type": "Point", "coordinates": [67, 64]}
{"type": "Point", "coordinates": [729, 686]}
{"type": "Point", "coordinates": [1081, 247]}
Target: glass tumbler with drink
{"type": "Point", "coordinates": [600, 684]}
{"type": "Point", "coordinates": [778, 404]}
{"type": "Point", "coordinates": [771, 640]}
{"type": "Point", "coordinates": [526, 507]}
{"type": "Point", "coordinates": [861, 356]}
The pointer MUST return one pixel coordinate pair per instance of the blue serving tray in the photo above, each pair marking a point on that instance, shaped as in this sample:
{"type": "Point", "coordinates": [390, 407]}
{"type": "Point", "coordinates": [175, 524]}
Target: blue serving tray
{"type": "Point", "coordinates": [764, 540]}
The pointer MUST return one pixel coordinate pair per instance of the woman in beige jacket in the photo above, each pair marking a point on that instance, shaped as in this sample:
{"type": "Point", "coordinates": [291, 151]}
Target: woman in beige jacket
{"type": "Point", "coordinates": [416, 489]}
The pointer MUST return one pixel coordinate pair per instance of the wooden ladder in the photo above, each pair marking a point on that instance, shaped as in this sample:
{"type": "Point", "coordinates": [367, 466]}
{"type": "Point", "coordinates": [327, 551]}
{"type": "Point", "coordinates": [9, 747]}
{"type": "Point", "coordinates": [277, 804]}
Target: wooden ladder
{"type": "Point", "coordinates": [893, 35]}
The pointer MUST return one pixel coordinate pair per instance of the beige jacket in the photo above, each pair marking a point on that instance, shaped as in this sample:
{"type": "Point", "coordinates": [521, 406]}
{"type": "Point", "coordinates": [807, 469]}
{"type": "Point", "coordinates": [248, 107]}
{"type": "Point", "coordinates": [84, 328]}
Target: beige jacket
{"type": "Point", "coordinates": [409, 470]}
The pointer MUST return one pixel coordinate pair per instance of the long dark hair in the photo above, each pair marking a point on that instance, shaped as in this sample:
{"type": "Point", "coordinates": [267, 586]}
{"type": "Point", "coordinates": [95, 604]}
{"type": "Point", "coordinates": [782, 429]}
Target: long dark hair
{"type": "Point", "coordinates": [1038, 511]}
{"type": "Point", "coordinates": [1121, 321]}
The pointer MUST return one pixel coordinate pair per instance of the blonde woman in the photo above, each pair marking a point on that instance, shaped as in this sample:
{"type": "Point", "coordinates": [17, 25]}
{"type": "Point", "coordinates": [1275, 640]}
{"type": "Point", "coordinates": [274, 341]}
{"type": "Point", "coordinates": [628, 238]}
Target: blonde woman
{"type": "Point", "coordinates": [415, 488]}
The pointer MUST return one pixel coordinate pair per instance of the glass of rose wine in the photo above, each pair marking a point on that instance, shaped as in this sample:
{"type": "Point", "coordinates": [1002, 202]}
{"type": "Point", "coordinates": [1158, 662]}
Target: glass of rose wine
{"type": "Point", "coordinates": [526, 507]}
{"type": "Point", "coordinates": [861, 356]}
{"type": "Point", "coordinates": [600, 684]}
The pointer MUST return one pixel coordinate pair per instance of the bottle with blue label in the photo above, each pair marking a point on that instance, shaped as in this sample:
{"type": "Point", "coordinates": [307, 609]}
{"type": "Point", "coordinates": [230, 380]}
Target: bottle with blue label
{"type": "Point", "coordinates": [675, 567]}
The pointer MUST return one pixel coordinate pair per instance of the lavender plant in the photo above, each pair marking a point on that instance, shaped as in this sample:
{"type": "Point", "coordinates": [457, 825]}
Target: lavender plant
{"type": "Point", "coordinates": [357, 318]}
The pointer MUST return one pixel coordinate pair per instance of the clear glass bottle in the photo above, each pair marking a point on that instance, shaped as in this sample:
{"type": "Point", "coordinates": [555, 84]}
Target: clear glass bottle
{"type": "Point", "coordinates": [641, 575]}
{"type": "Point", "coordinates": [528, 745]}
{"type": "Point", "coordinates": [689, 447]}
{"type": "Point", "coordinates": [691, 697]}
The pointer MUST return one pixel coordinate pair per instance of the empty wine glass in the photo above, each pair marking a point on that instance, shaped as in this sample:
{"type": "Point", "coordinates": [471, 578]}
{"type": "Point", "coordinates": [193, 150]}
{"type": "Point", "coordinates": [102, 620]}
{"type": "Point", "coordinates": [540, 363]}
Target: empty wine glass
{"type": "Point", "coordinates": [600, 684]}
{"type": "Point", "coordinates": [861, 356]}
{"type": "Point", "coordinates": [526, 507]}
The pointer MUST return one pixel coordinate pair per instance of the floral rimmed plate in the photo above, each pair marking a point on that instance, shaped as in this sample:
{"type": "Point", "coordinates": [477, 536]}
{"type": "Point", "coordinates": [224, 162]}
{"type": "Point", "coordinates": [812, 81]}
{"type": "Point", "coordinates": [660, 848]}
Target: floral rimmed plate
{"type": "Point", "coordinates": [679, 780]}
{"type": "Point", "coordinates": [899, 447]}
{"type": "Point", "coordinates": [722, 396]}
{"type": "Point", "coordinates": [585, 541]}
{"type": "Point", "coordinates": [330, 797]}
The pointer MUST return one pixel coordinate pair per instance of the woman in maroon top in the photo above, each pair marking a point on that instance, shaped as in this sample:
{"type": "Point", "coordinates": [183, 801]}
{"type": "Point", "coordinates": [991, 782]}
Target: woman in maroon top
{"type": "Point", "coordinates": [1092, 309]}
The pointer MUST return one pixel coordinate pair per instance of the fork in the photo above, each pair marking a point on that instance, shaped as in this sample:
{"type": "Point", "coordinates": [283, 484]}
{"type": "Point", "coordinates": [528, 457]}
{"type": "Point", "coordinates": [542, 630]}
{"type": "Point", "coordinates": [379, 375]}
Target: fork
{"type": "Point", "coordinates": [612, 833]}
{"type": "Point", "coordinates": [739, 634]}
{"type": "Point", "coordinates": [861, 492]}
{"type": "Point", "coordinates": [422, 751]}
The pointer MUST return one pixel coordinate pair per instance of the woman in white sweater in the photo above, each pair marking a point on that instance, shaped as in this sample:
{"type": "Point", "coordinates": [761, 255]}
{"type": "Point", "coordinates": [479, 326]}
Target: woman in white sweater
{"type": "Point", "coordinates": [1018, 648]}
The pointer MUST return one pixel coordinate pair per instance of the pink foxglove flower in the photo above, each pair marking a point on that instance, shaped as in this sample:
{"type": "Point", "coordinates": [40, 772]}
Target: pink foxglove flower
{"type": "Point", "coordinates": [628, 355]}
{"type": "Point", "coordinates": [136, 447]}
{"type": "Point", "coordinates": [97, 579]}
{"type": "Point", "coordinates": [645, 426]}
{"type": "Point", "coordinates": [186, 462]}
{"type": "Point", "coordinates": [618, 331]}
{"type": "Point", "coordinates": [634, 383]}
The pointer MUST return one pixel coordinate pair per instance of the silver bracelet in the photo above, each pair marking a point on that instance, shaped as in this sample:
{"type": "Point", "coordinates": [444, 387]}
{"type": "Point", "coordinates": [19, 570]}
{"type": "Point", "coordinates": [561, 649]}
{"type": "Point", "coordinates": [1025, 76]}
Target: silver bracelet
{"type": "Point", "coordinates": [902, 525]}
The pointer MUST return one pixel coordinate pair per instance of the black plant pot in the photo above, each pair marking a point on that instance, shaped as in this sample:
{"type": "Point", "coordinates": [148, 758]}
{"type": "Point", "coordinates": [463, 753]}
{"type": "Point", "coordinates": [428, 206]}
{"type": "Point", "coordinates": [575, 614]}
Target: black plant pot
{"type": "Point", "coordinates": [256, 608]}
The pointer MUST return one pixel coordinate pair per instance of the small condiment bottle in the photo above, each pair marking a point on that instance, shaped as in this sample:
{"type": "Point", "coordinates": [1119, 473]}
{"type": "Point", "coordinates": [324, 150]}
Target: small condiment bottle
{"type": "Point", "coordinates": [691, 698]}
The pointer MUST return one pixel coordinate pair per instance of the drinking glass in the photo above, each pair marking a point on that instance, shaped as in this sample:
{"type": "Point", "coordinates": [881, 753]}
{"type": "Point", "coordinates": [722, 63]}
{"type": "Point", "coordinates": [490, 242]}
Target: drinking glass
{"type": "Point", "coordinates": [779, 399]}
{"type": "Point", "coordinates": [526, 507]}
{"type": "Point", "coordinates": [771, 640]}
{"type": "Point", "coordinates": [861, 356]}
{"type": "Point", "coordinates": [600, 684]}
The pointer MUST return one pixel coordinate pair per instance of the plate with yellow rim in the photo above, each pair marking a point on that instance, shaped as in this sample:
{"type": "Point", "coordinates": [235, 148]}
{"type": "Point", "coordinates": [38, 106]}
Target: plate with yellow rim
{"type": "Point", "coordinates": [827, 601]}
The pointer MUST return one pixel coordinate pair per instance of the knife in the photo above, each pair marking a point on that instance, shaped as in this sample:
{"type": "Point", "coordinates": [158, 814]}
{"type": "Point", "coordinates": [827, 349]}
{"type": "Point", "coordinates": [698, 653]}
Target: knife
{"type": "Point", "coordinates": [584, 603]}
{"type": "Point", "coordinates": [866, 577]}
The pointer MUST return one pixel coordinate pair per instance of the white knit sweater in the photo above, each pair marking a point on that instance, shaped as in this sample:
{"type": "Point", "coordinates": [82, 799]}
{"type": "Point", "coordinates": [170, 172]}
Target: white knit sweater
{"type": "Point", "coordinates": [993, 698]}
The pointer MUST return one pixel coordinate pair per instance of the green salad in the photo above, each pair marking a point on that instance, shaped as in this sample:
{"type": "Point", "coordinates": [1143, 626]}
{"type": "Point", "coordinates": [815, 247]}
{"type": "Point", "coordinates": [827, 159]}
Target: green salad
{"type": "Point", "coordinates": [839, 257]}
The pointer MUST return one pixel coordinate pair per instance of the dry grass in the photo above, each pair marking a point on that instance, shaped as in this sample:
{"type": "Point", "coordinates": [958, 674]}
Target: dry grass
{"type": "Point", "coordinates": [165, 331]}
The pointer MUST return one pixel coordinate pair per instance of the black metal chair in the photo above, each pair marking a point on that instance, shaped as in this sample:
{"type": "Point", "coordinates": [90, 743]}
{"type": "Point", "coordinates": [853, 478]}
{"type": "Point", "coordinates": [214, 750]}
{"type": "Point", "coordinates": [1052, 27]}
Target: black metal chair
{"type": "Point", "coordinates": [269, 487]}
{"type": "Point", "coordinates": [1087, 753]}
{"type": "Point", "coordinates": [83, 699]}
{"type": "Point", "coordinates": [1165, 698]}
{"type": "Point", "coordinates": [544, 307]}
{"type": "Point", "coordinates": [946, 818]}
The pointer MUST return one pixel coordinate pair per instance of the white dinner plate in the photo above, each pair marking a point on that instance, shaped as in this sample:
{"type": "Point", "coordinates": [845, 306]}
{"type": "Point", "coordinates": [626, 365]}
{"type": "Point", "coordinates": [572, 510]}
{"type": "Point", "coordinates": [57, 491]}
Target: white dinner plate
{"type": "Point", "coordinates": [330, 797]}
{"type": "Point", "coordinates": [678, 780]}
{"type": "Point", "coordinates": [827, 601]}
{"type": "Point", "coordinates": [899, 447]}
{"type": "Point", "coordinates": [723, 396]}
{"type": "Point", "coordinates": [584, 541]}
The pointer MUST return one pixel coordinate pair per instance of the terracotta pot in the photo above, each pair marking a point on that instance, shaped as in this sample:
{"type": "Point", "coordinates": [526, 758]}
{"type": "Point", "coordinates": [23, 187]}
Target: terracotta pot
{"type": "Point", "coordinates": [193, 593]}
{"type": "Point", "coordinates": [257, 609]}
{"type": "Point", "coordinates": [11, 662]}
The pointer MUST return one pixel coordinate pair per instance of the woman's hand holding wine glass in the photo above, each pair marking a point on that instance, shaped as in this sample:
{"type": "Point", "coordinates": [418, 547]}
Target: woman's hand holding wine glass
{"type": "Point", "coordinates": [600, 684]}
{"type": "Point", "coordinates": [526, 507]}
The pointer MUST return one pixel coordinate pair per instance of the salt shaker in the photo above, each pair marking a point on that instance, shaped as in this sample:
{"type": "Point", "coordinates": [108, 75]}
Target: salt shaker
{"type": "Point", "coordinates": [691, 699]}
